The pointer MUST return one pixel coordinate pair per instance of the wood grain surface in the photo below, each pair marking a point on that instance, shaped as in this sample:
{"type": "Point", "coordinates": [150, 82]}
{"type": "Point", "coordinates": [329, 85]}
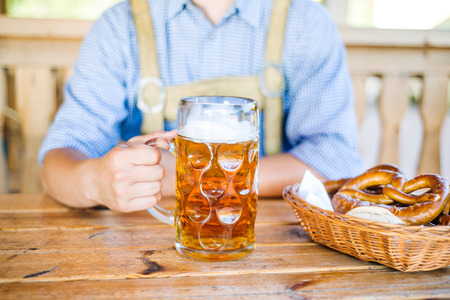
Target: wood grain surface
{"type": "Point", "coordinates": [48, 251]}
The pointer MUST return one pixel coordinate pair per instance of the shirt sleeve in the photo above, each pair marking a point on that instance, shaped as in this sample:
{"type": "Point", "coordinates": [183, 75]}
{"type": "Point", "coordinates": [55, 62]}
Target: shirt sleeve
{"type": "Point", "coordinates": [94, 97]}
{"type": "Point", "coordinates": [321, 125]}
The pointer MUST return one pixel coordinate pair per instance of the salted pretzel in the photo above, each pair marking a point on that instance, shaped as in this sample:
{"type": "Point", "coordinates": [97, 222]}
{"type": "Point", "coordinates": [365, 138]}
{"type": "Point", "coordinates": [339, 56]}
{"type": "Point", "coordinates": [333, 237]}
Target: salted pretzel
{"type": "Point", "coordinates": [395, 195]}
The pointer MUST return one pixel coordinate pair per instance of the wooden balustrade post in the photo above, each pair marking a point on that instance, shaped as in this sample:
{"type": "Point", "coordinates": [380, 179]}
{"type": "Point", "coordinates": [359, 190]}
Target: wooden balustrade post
{"type": "Point", "coordinates": [359, 88]}
{"type": "Point", "coordinates": [392, 106]}
{"type": "Point", "coordinates": [62, 75]}
{"type": "Point", "coordinates": [36, 103]}
{"type": "Point", "coordinates": [433, 107]}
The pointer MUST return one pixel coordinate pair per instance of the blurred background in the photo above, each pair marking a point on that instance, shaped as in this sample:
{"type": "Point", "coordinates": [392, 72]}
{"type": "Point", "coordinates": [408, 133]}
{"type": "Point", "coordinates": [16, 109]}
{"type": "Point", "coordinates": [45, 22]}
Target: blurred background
{"type": "Point", "coordinates": [398, 56]}
{"type": "Point", "coordinates": [405, 14]}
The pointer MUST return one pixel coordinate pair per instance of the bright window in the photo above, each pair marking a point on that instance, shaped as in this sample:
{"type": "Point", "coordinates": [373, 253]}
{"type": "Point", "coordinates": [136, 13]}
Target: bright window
{"type": "Point", "coordinates": [401, 14]}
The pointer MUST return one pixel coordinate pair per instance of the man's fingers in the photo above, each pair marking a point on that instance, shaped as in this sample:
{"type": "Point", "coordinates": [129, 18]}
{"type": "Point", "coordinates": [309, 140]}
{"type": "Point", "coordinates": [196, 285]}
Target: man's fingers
{"type": "Point", "coordinates": [139, 189]}
{"type": "Point", "coordinates": [136, 154]}
{"type": "Point", "coordinates": [140, 203]}
{"type": "Point", "coordinates": [147, 173]}
{"type": "Point", "coordinates": [143, 138]}
{"type": "Point", "coordinates": [138, 196]}
{"type": "Point", "coordinates": [145, 155]}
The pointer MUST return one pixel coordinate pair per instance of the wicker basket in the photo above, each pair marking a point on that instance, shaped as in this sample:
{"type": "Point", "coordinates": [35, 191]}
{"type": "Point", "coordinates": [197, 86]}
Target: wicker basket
{"type": "Point", "coordinates": [405, 248]}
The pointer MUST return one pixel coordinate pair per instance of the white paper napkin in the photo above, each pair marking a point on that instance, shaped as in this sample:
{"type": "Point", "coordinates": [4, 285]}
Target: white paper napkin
{"type": "Point", "coordinates": [312, 190]}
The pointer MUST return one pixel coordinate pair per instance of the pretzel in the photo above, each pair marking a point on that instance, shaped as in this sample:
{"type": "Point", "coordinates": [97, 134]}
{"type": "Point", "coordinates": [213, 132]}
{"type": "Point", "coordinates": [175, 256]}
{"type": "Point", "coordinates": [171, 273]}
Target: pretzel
{"type": "Point", "coordinates": [395, 195]}
{"type": "Point", "coordinates": [388, 167]}
{"type": "Point", "coordinates": [444, 219]}
{"type": "Point", "coordinates": [332, 186]}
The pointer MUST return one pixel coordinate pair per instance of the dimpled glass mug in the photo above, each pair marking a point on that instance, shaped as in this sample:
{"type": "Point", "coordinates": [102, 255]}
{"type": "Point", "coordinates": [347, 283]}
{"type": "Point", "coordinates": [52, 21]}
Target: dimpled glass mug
{"type": "Point", "coordinates": [216, 150]}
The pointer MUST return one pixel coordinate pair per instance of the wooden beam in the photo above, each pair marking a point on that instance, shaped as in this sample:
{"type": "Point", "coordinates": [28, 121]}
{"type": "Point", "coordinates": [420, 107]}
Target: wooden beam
{"type": "Point", "coordinates": [43, 28]}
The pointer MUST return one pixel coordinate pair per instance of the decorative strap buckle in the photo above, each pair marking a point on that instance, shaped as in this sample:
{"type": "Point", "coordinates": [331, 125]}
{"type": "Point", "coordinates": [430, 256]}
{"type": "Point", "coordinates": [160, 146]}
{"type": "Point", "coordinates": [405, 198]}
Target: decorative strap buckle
{"type": "Point", "coordinates": [262, 80]}
{"type": "Point", "coordinates": [141, 104]}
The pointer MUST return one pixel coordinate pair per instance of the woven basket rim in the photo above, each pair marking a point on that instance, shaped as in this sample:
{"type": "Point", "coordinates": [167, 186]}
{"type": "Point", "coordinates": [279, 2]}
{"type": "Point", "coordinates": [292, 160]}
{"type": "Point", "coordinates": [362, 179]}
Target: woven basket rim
{"type": "Point", "coordinates": [414, 232]}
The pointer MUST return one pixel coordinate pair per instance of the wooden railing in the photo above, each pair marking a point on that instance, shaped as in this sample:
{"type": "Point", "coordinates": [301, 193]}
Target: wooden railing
{"type": "Point", "coordinates": [36, 57]}
{"type": "Point", "coordinates": [396, 57]}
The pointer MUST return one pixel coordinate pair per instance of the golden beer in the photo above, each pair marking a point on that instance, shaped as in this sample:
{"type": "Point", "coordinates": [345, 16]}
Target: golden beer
{"type": "Point", "coordinates": [216, 150]}
{"type": "Point", "coordinates": [216, 194]}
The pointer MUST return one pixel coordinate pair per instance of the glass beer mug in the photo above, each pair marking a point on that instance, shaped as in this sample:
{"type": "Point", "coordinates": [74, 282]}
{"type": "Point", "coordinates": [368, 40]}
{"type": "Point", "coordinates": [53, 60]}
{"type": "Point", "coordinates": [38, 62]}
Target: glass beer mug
{"type": "Point", "coordinates": [216, 150]}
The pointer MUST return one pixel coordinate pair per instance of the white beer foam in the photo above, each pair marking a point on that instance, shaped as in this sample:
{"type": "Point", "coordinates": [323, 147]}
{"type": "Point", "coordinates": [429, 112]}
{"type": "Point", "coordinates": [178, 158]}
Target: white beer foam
{"type": "Point", "coordinates": [216, 127]}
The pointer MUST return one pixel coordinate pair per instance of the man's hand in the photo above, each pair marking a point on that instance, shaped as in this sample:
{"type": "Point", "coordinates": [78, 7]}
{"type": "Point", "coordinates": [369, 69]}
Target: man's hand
{"type": "Point", "coordinates": [128, 178]}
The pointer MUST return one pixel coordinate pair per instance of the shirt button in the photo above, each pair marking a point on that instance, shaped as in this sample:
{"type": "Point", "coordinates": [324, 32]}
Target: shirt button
{"type": "Point", "coordinates": [212, 35]}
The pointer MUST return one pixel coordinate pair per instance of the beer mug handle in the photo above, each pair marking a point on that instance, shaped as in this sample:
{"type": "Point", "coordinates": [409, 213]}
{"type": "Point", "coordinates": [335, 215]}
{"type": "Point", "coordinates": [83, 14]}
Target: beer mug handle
{"type": "Point", "coordinates": [163, 215]}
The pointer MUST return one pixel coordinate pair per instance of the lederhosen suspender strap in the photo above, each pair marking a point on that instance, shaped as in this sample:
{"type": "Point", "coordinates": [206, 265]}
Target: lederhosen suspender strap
{"type": "Point", "coordinates": [157, 101]}
{"type": "Point", "coordinates": [273, 83]}
{"type": "Point", "coordinates": [151, 92]}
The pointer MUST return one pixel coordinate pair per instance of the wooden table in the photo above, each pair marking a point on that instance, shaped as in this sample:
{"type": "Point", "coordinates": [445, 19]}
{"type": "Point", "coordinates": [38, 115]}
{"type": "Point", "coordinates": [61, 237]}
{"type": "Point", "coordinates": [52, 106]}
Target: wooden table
{"type": "Point", "coordinates": [50, 251]}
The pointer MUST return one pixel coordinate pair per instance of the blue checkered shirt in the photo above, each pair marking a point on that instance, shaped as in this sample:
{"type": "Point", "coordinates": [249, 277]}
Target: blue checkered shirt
{"type": "Point", "coordinates": [99, 108]}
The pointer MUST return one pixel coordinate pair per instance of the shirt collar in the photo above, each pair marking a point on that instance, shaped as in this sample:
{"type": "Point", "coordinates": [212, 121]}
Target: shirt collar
{"type": "Point", "coordinates": [248, 10]}
{"type": "Point", "coordinates": [175, 7]}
